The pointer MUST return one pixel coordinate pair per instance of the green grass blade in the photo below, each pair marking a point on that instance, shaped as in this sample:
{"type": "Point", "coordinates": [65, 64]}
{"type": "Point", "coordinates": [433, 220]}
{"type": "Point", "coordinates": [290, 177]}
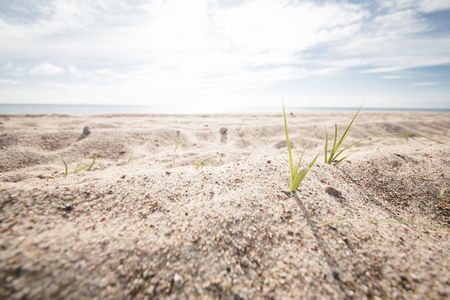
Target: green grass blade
{"type": "Point", "coordinates": [94, 158]}
{"type": "Point", "coordinates": [334, 142]}
{"type": "Point", "coordinates": [288, 142]}
{"type": "Point", "coordinates": [341, 160]}
{"type": "Point", "coordinates": [298, 179]}
{"type": "Point", "coordinates": [335, 151]}
{"type": "Point", "coordinates": [66, 168]}
{"type": "Point", "coordinates": [334, 148]}
{"type": "Point", "coordinates": [347, 129]}
{"type": "Point", "coordinates": [80, 168]}
{"type": "Point", "coordinates": [297, 176]}
{"type": "Point", "coordinates": [311, 164]}
{"type": "Point", "coordinates": [349, 146]}
{"type": "Point", "coordinates": [300, 159]}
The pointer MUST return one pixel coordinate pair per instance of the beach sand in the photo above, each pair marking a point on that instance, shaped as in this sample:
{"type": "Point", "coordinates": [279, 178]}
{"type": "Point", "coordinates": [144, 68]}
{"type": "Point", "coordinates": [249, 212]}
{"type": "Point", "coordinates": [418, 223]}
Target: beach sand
{"type": "Point", "coordinates": [173, 208]}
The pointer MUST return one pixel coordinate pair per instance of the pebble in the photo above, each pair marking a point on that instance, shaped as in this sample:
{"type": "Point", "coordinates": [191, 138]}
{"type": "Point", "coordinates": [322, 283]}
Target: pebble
{"type": "Point", "coordinates": [333, 191]}
{"type": "Point", "coordinates": [223, 134]}
{"type": "Point", "coordinates": [103, 283]}
{"type": "Point", "coordinates": [177, 279]}
{"type": "Point", "coordinates": [85, 133]}
{"type": "Point", "coordinates": [282, 144]}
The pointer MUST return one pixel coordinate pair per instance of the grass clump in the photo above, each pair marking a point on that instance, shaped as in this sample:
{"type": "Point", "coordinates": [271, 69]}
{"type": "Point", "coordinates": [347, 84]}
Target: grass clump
{"type": "Point", "coordinates": [94, 158]}
{"type": "Point", "coordinates": [297, 174]}
{"type": "Point", "coordinates": [200, 164]}
{"type": "Point", "coordinates": [82, 167]}
{"type": "Point", "coordinates": [177, 145]}
{"type": "Point", "coordinates": [334, 155]}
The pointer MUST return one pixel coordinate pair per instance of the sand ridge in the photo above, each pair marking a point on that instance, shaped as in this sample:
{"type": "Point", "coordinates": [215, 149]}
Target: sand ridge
{"type": "Point", "coordinates": [173, 209]}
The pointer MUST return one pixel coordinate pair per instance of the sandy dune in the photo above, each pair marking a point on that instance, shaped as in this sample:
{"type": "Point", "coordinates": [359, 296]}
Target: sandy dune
{"type": "Point", "coordinates": [174, 209]}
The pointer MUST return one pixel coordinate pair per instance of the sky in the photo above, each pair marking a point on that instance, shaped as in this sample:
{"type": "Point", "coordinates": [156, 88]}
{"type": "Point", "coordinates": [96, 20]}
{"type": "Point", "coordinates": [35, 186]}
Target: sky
{"type": "Point", "coordinates": [198, 53]}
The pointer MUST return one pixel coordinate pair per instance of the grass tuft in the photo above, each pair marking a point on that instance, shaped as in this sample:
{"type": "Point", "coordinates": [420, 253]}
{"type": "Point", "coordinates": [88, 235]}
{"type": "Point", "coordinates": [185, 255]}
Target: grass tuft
{"type": "Point", "coordinates": [177, 145]}
{"type": "Point", "coordinates": [83, 167]}
{"type": "Point", "coordinates": [334, 155]}
{"type": "Point", "coordinates": [94, 158]}
{"type": "Point", "coordinates": [199, 165]}
{"type": "Point", "coordinates": [297, 174]}
{"type": "Point", "coordinates": [444, 197]}
{"type": "Point", "coordinates": [66, 168]}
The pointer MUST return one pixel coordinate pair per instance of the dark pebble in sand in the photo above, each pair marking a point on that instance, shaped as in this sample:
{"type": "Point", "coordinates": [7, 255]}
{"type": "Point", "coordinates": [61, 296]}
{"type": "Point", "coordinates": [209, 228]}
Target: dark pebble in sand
{"type": "Point", "coordinates": [223, 130]}
{"type": "Point", "coordinates": [333, 191]}
{"type": "Point", "coordinates": [335, 275]}
{"type": "Point", "coordinates": [67, 208]}
{"type": "Point", "coordinates": [85, 133]}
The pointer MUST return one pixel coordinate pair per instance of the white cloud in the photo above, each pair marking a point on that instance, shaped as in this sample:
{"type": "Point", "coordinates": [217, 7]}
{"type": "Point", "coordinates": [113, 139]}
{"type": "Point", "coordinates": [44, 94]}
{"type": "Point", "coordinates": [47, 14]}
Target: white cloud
{"type": "Point", "coordinates": [202, 38]}
{"type": "Point", "coordinates": [434, 5]}
{"type": "Point", "coordinates": [46, 69]}
{"type": "Point", "coordinates": [426, 83]}
{"type": "Point", "coordinates": [426, 6]}
{"type": "Point", "coordinates": [8, 81]}
{"type": "Point", "coordinates": [159, 49]}
{"type": "Point", "coordinates": [392, 77]}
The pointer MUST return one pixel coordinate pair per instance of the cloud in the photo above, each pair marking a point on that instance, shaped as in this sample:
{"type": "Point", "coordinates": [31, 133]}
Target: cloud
{"type": "Point", "coordinates": [392, 77]}
{"type": "Point", "coordinates": [217, 47]}
{"type": "Point", "coordinates": [8, 81]}
{"type": "Point", "coordinates": [426, 83]}
{"type": "Point", "coordinates": [425, 6]}
{"type": "Point", "coordinates": [203, 38]}
{"type": "Point", "coordinates": [46, 69]}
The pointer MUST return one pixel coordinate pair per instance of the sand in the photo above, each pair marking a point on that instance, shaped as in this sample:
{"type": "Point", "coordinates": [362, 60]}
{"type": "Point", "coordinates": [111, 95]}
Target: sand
{"type": "Point", "coordinates": [196, 207]}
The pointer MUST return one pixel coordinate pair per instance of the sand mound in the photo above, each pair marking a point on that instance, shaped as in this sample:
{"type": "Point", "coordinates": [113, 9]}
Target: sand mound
{"type": "Point", "coordinates": [17, 159]}
{"type": "Point", "coordinates": [409, 181]}
{"type": "Point", "coordinates": [154, 219]}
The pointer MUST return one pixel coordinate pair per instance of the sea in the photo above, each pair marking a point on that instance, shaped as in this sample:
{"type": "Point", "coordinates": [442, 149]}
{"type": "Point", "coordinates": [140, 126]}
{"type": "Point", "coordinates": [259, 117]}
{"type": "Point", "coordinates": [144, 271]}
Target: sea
{"type": "Point", "coordinates": [78, 109]}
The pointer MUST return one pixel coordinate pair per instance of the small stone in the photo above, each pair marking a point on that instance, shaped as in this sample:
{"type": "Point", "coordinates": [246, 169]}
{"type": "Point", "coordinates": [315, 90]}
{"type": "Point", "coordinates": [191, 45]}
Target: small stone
{"type": "Point", "coordinates": [245, 263]}
{"type": "Point", "coordinates": [335, 275]}
{"type": "Point", "coordinates": [86, 130]}
{"type": "Point", "coordinates": [85, 133]}
{"type": "Point", "coordinates": [333, 191]}
{"type": "Point", "coordinates": [103, 283]}
{"type": "Point", "coordinates": [67, 208]}
{"type": "Point", "coordinates": [223, 134]}
{"type": "Point", "coordinates": [177, 279]}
